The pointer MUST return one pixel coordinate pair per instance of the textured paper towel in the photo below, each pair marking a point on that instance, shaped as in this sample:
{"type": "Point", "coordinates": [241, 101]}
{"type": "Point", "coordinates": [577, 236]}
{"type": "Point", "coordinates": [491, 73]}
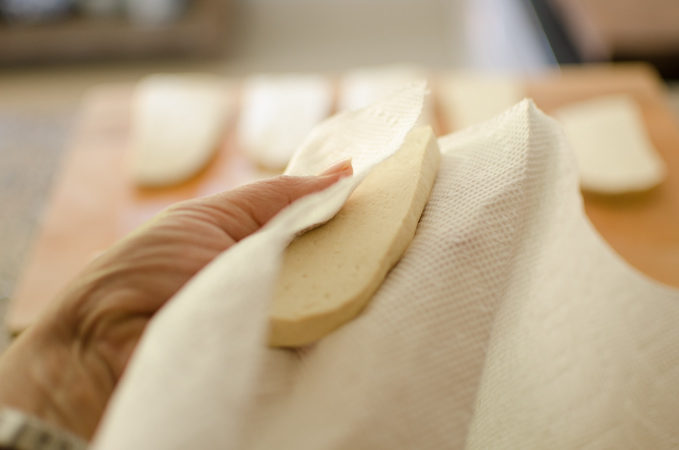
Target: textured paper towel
{"type": "Point", "coordinates": [507, 324]}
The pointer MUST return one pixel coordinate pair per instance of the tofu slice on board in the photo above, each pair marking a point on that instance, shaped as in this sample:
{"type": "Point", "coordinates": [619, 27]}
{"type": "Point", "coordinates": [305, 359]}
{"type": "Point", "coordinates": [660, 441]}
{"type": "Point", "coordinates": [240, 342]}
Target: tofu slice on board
{"type": "Point", "coordinates": [277, 114]}
{"type": "Point", "coordinates": [178, 122]}
{"type": "Point", "coordinates": [615, 155]}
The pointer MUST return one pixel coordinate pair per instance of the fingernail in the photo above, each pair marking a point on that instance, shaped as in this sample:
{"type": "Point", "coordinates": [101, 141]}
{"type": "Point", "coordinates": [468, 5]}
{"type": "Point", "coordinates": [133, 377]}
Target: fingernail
{"type": "Point", "coordinates": [343, 166]}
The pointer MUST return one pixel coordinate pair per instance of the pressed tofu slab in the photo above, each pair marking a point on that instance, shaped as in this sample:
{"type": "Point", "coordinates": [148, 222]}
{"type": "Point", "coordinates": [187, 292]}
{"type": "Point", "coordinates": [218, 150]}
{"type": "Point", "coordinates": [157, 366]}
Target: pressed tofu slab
{"type": "Point", "coordinates": [615, 155]}
{"type": "Point", "coordinates": [178, 124]}
{"type": "Point", "coordinates": [278, 112]}
{"type": "Point", "coordinates": [330, 273]}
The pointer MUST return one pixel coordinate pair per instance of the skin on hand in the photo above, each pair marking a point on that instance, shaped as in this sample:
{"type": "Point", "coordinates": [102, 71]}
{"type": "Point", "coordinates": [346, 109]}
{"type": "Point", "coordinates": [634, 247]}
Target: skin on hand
{"type": "Point", "coordinates": [66, 366]}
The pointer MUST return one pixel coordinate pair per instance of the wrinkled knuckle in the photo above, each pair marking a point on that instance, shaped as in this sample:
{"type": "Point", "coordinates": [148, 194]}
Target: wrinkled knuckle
{"type": "Point", "coordinates": [289, 181]}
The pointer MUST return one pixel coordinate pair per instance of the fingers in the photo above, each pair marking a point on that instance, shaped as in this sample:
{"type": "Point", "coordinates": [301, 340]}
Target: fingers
{"type": "Point", "coordinates": [242, 211]}
{"type": "Point", "coordinates": [342, 168]}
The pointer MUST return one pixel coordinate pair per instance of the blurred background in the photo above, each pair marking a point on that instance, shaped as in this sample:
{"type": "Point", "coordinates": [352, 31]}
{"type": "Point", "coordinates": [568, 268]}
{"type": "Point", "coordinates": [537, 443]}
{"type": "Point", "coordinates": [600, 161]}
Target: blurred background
{"type": "Point", "coordinates": [276, 34]}
{"type": "Point", "coordinates": [53, 53]}
{"type": "Point", "coordinates": [332, 35]}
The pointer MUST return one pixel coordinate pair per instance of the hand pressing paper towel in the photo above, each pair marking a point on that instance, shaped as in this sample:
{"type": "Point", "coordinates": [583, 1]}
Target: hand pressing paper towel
{"type": "Point", "coordinates": [234, 293]}
{"type": "Point", "coordinates": [613, 150]}
{"type": "Point", "coordinates": [330, 273]}
{"type": "Point", "coordinates": [508, 323]}
{"type": "Point", "coordinates": [278, 112]}
{"type": "Point", "coordinates": [178, 122]}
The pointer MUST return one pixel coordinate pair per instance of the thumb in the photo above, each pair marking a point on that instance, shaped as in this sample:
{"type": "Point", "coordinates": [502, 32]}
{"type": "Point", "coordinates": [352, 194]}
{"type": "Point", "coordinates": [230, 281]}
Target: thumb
{"type": "Point", "coordinates": [242, 211]}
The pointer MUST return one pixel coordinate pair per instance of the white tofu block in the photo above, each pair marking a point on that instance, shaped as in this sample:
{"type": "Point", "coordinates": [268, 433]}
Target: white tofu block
{"type": "Point", "coordinates": [361, 87]}
{"type": "Point", "coordinates": [611, 145]}
{"type": "Point", "coordinates": [178, 123]}
{"type": "Point", "coordinates": [277, 114]}
{"type": "Point", "coordinates": [468, 99]}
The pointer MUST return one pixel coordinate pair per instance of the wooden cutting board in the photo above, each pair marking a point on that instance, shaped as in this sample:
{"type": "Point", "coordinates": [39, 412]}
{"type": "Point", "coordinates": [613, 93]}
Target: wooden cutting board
{"type": "Point", "coordinates": [94, 203]}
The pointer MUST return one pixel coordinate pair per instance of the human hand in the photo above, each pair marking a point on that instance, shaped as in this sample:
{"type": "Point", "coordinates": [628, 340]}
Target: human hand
{"type": "Point", "coordinates": [65, 367]}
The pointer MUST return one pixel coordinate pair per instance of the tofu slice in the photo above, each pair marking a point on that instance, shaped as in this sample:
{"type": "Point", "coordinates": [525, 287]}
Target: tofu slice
{"type": "Point", "coordinates": [468, 98]}
{"type": "Point", "coordinates": [278, 113]}
{"type": "Point", "coordinates": [178, 122]}
{"type": "Point", "coordinates": [330, 273]}
{"type": "Point", "coordinates": [361, 87]}
{"type": "Point", "coordinates": [611, 145]}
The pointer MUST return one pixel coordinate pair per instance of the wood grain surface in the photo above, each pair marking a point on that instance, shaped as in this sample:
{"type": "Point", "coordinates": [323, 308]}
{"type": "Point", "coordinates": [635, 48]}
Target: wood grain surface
{"type": "Point", "coordinates": [94, 203]}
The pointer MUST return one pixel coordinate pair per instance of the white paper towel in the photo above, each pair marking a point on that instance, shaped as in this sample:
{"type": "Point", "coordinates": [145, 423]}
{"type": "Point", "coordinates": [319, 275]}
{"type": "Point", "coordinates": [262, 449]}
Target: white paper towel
{"type": "Point", "coordinates": [508, 323]}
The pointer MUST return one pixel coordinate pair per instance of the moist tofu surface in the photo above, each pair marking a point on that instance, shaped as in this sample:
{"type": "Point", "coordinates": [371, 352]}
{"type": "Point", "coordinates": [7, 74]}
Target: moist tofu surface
{"type": "Point", "coordinates": [330, 273]}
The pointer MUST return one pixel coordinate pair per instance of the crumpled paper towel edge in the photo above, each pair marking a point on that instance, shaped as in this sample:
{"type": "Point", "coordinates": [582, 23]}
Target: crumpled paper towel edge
{"type": "Point", "coordinates": [323, 147]}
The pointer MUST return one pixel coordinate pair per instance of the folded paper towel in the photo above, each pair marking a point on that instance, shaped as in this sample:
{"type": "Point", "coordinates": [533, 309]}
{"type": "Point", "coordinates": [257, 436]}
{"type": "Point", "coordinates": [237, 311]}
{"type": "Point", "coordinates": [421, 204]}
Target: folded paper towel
{"type": "Point", "coordinates": [508, 323]}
